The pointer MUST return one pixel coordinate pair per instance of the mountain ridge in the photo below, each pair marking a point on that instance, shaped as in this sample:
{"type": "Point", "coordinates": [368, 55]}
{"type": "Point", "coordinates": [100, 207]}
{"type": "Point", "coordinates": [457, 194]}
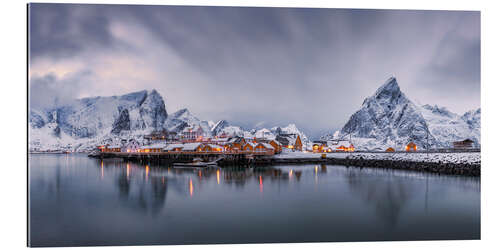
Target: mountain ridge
{"type": "Point", "coordinates": [87, 122]}
{"type": "Point", "coordinates": [389, 118]}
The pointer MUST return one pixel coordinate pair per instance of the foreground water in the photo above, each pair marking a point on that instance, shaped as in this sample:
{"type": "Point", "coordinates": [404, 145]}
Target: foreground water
{"type": "Point", "coordinates": [76, 200]}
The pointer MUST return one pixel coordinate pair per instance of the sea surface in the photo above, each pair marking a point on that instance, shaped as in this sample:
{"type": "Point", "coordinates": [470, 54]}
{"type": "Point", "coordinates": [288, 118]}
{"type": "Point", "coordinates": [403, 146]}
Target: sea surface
{"type": "Point", "coordinates": [79, 201]}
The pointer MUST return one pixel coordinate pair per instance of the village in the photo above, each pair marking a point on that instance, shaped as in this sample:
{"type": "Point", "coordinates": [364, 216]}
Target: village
{"type": "Point", "coordinates": [195, 140]}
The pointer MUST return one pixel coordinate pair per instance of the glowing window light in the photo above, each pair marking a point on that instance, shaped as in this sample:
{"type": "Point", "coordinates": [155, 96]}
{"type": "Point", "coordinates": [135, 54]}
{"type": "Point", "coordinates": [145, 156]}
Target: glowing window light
{"type": "Point", "coordinates": [190, 187]}
{"type": "Point", "coordinates": [128, 170]}
{"type": "Point", "coordinates": [218, 176]}
{"type": "Point", "coordinates": [261, 186]}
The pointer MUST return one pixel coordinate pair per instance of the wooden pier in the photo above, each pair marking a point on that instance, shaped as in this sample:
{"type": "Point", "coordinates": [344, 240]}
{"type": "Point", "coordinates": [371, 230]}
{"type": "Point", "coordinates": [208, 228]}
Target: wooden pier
{"type": "Point", "coordinates": [222, 158]}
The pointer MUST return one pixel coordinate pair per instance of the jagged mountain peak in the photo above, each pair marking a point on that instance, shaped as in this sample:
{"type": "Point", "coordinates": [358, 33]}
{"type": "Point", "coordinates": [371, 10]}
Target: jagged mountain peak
{"type": "Point", "coordinates": [389, 118]}
{"type": "Point", "coordinates": [387, 96]}
{"type": "Point", "coordinates": [92, 118]}
{"type": "Point", "coordinates": [220, 125]}
{"type": "Point", "coordinates": [389, 87]}
{"type": "Point", "coordinates": [137, 96]}
{"type": "Point", "coordinates": [153, 92]}
{"type": "Point", "coordinates": [183, 118]}
{"type": "Point", "coordinates": [183, 114]}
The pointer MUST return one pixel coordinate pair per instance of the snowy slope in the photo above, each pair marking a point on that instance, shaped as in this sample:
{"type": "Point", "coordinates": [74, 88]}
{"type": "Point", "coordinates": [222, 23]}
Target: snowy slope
{"type": "Point", "coordinates": [82, 121]}
{"type": "Point", "coordinates": [184, 118]}
{"type": "Point", "coordinates": [264, 133]}
{"type": "Point", "coordinates": [224, 127]}
{"type": "Point", "coordinates": [290, 129]}
{"type": "Point", "coordinates": [447, 126]}
{"type": "Point", "coordinates": [390, 119]}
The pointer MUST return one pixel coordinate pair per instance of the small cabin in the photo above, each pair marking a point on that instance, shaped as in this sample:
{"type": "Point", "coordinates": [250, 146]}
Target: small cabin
{"type": "Point", "coordinates": [327, 150]}
{"type": "Point", "coordinates": [276, 145]}
{"type": "Point", "coordinates": [162, 135]}
{"type": "Point", "coordinates": [216, 148]}
{"type": "Point", "coordinates": [192, 134]}
{"type": "Point", "coordinates": [390, 149]}
{"type": "Point", "coordinates": [155, 148]}
{"type": "Point", "coordinates": [193, 147]}
{"type": "Point", "coordinates": [411, 147]}
{"type": "Point", "coordinates": [264, 147]}
{"type": "Point", "coordinates": [318, 146]}
{"type": "Point", "coordinates": [177, 147]}
{"type": "Point", "coordinates": [233, 147]}
{"type": "Point", "coordinates": [212, 148]}
{"type": "Point", "coordinates": [344, 146]}
{"type": "Point", "coordinates": [290, 141]}
{"type": "Point", "coordinates": [465, 144]}
{"type": "Point", "coordinates": [237, 142]}
{"type": "Point", "coordinates": [132, 146]}
{"type": "Point", "coordinates": [115, 149]}
{"type": "Point", "coordinates": [248, 147]}
{"type": "Point", "coordinates": [104, 148]}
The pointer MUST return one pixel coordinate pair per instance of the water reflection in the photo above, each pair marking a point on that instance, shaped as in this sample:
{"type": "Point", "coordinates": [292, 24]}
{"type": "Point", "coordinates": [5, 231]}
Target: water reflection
{"type": "Point", "coordinates": [191, 187]}
{"type": "Point", "coordinates": [390, 192]}
{"type": "Point", "coordinates": [261, 185]}
{"type": "Point", "coordinates": [173, 178]}
{"type": "Point", "coordinates": [152, 202]}
{"type": "Point", "coordinates": [386, 196]}
{"type": "Point", "coordinates": [218, 176]}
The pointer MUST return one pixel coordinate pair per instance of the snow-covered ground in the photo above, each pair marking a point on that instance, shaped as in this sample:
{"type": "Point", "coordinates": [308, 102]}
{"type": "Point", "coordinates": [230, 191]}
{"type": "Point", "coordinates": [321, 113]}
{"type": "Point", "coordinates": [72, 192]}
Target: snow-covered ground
{"type": "Point", "coordinates": [468, 158]}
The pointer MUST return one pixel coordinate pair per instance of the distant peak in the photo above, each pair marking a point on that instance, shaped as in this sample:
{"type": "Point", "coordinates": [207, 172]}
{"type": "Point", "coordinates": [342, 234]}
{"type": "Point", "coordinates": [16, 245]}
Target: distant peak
{"type": "Point", "coordinates": [181, 112]}
{"type": "Point", "coordinates": [139, 92]}
{"type": "Point", "coordinates": [389, 86]}
{"type": "Point", "coordinates": [221, 121]}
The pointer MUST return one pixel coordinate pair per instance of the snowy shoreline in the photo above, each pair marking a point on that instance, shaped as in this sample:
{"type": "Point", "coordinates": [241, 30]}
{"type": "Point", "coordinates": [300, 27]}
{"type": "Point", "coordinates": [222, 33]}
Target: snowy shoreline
{"type": "Point", "coordinates": [466, 163]}
{"type": "Point", "coordinates": [456, 158]}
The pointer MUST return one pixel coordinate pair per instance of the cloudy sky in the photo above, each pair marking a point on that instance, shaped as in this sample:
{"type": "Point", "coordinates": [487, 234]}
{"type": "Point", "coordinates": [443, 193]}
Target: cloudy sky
{"type": "Point", "coordinates": [255, 66]}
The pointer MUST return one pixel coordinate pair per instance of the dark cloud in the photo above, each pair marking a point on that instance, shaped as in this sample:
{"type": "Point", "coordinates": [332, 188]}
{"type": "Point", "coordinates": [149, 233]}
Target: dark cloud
{"type": "Point", "coordinates": [49, 90]}
{"type": "Point", "coordinates": [313, 67]}
{"type": "Point", "coordinates": [61, 30]}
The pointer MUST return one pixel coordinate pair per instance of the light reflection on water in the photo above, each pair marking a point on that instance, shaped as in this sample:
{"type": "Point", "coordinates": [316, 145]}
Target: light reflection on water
{"type": "Point", "coordinates": [77, 200]}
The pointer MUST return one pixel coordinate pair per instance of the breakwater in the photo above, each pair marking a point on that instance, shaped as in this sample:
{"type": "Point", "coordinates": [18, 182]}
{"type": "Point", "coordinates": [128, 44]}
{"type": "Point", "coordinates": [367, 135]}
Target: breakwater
{"type": "Point", "coordinates": [432, 167]}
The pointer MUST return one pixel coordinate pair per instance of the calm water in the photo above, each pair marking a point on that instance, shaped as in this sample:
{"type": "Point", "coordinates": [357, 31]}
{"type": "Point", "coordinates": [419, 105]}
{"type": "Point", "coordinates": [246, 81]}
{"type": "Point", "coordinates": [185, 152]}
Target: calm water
{"type": "Point", "coordinates": [76, 200]}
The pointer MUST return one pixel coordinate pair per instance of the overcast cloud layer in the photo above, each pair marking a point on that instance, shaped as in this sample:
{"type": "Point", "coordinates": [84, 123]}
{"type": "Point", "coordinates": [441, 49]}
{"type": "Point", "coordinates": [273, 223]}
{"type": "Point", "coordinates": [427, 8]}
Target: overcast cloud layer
{"type": "Point", "coordinates": [255, 66]}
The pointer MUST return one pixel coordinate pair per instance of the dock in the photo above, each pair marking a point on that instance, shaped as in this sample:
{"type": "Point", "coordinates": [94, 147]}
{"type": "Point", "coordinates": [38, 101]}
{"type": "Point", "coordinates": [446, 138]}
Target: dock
{"type": "Point", "coordinates": [265, 159]}
{"type": "Point", "coordinates": [222, 158]}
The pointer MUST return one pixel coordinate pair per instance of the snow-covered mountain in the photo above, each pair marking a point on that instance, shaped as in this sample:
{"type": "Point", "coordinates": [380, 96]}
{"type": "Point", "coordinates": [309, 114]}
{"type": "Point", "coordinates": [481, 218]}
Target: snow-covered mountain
{"type": "Point", "coordinates": [264, 133]}
{"type": "Point", "coordinates": [390, 119]}
{"type": "Point", "coordinates": [183, 118]}
{"type": "Point", "coordinates": [290, 129]}
{"type": "Point", "coordinates": [447, 126]}
{"type": "Point", "coordinates": [74, 124]}
{"type": "Point", "coordinates": [224, 127]}
{"type": "Point", "coordinates": [88, 122]}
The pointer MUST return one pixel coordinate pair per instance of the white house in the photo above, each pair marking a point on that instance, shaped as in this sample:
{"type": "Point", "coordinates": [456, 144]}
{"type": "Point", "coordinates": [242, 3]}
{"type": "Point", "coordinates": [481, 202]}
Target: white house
{"type": "Point", "coordinates": [132, 146]}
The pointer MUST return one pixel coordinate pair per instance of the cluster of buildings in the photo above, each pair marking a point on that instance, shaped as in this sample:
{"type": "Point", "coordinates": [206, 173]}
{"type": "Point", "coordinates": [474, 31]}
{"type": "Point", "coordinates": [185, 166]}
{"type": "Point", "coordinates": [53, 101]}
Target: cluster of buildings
{"type": "Point", "coordinates": [196, 141]}
{"type": "Point", "coordinates": [332, 146]}
{"type": "Point", "coordinates": [457, 145]}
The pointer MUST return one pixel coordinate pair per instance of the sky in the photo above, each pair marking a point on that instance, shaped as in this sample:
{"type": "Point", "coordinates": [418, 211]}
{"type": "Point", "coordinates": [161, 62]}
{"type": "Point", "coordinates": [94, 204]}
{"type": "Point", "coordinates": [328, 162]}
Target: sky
{"type": "Point", "coordinates": [255, 67]}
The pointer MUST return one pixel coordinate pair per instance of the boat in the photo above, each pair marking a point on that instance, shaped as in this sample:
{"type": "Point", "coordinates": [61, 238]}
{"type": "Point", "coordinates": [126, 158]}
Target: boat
{"type": "Point", "coordinates": [197, 162]}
